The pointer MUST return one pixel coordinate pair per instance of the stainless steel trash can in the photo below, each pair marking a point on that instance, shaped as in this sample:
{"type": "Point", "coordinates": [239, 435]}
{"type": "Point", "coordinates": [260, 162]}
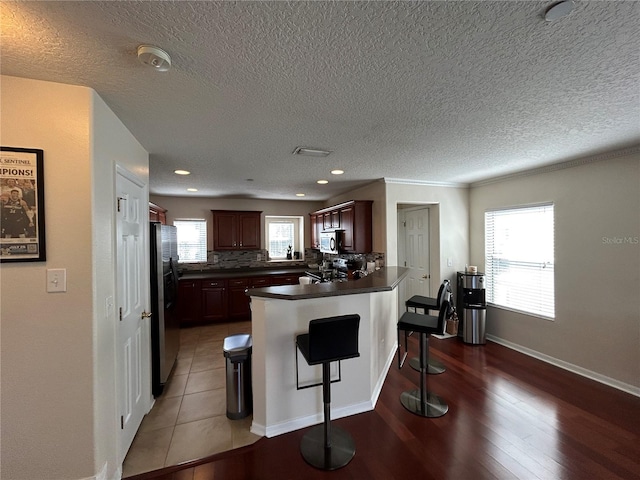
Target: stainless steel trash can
{"type": "Point", "coordinates": [237, 351]}
{"type": "Point", "coordinates": [474, 325]}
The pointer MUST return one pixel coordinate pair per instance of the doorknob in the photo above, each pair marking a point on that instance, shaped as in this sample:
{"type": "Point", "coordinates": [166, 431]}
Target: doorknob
{"type": "Point", "coordinates": [425, 276]}
{"type": "Point", "coordinates": [145, 314]}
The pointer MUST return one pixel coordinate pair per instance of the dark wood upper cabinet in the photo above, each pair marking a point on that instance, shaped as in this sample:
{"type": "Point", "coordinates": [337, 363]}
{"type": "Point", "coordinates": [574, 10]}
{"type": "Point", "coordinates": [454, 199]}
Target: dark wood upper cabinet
{"type": "Point", "coordinates": [347, 225]}
{"type": "Point", "coordinates": [316, 225]}
{"type": "Point", "coordinates": [354, 218]}
{"type": "Point", "coordinates": [236, 230]}
{"type": "Point", "coordinates": [249, 230]}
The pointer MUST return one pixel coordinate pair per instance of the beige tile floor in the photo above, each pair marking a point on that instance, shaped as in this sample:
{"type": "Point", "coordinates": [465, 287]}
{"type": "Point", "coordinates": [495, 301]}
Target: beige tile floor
{"type": "Point", "coordinates": [188, 421]}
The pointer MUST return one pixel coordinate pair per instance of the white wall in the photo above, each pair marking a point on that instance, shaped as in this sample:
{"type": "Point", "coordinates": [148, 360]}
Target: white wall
{"type": "Point", "coordinates": [113, 145]}
{"type": "Point", "coordinates": [597, 284]}
{"type": "Point", "coordinates": [57, 350]}
{"type": "Point", "coordinates": [448, 225]}
{"type": "Point", "coordinates": [200, 207]}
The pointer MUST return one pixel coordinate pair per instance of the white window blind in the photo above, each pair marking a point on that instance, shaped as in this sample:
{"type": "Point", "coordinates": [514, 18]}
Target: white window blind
{"type": "Point", "coordinates": [280, 239]}
{"type": "Point", "coordinates": [192, 240]}
{"type": "Point", "coordinates": [519, 259]}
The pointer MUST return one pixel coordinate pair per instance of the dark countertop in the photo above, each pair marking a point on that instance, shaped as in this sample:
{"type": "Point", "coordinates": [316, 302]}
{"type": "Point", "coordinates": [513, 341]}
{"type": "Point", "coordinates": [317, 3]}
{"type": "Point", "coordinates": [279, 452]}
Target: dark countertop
{"type": "Point", "coordinates": [385, 279]}
{"type": "Point", "coordinates": [242, 272]}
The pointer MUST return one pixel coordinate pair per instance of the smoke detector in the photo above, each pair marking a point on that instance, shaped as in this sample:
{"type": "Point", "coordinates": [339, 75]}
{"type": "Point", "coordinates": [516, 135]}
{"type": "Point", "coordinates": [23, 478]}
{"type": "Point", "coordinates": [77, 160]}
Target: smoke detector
{"type": "Point", "coordinates": [558, 10]}
{"type": "Point", "coordinates": [155, 57]}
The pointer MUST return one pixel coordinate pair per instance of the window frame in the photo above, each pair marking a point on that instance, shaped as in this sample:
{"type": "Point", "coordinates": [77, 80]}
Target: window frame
{"type": "Point", "coordinates": [202, 244]}
{"type": "Point", "coordinates": [534, 266]}
{"type": "Point", "coordinates": [298, 235]}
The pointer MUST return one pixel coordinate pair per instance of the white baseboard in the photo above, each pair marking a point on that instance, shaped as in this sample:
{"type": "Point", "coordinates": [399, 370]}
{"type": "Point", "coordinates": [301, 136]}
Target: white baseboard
{"type": "Point", "coordinates": [625, 387]}
{"type": "Point", "coordinates": [308, 421]}
{"type": "Point", "coordinates": [383, 376]}
{"type": "Point", "coordinates": [102, 474]}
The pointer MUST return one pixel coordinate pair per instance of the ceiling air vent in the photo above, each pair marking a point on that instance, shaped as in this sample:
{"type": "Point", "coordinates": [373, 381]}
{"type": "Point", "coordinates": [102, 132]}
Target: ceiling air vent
{"type": "Point", "coordinates": [311, 152]}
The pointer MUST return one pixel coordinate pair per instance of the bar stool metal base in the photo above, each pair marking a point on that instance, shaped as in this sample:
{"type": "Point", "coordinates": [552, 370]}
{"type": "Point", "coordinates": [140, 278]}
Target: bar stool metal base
{"type": "Point", "coordinates": [336, 456]}
{"type": "Point", "coordinates": [432, 407]}
{"type": "Point", "coordinates": [435, 367]}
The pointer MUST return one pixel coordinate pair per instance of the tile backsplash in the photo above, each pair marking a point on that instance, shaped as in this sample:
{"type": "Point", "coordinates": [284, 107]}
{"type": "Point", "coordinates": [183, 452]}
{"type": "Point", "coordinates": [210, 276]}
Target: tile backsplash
{"type": "Point", "coordinates": [249, 259]}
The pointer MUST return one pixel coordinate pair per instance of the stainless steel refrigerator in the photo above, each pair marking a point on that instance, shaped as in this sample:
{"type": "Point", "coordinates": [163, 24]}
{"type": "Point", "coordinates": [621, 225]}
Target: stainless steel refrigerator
{"type": "Point", "coordinates": [165, 324]}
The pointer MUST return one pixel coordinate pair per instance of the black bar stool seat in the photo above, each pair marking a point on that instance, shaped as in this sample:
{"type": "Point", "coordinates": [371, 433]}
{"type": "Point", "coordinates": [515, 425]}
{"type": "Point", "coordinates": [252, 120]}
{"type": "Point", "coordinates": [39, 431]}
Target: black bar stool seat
{"type": "Point", "coordinates": [420, 401]}
{"type": "Point", "coordinates": [329, 340]}
{"type": "Point", "coordinates": [420, 301]}
{"type": "Point", "coordinates": [428, 304]}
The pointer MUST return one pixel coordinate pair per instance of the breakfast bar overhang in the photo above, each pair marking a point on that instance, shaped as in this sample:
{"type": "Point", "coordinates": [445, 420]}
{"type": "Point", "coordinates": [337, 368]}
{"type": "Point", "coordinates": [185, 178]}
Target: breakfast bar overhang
{"type": "Point", "coordinates": [281, 313]}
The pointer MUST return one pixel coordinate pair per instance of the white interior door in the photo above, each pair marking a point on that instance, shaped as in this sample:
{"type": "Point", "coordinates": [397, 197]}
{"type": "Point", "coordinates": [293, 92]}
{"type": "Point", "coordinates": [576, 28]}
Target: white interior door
{"type": "Point", "coordinates": [416, 241]}
{"type": "Point", "coordinates": [133, 355]}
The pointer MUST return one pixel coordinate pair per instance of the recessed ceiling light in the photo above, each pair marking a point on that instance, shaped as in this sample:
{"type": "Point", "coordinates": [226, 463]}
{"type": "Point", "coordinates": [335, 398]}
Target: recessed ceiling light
{"type": "Point", "coordinates": [182, 172]}
{"type": "Point", "coordinates": [311, 152]}
{"type": "Point", "coordinates": [299, 194]}
{"type": "Point", "coordinates": [192, 189]}
{"type": "Point", "coordinates": [337, 172]}
{"type": "Point", "coordinates": [558, 10]}
{"type": "Point", "coordinates": [322, 182]}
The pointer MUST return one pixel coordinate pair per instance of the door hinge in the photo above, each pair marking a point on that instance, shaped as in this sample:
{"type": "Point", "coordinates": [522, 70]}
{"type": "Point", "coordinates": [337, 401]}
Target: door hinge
{"type": "Point", "coordinates": [120, 313]}
{"type": "Point", "coordinates": [119, 200]}
{"type": "Point", "coordinates": [121, 422]}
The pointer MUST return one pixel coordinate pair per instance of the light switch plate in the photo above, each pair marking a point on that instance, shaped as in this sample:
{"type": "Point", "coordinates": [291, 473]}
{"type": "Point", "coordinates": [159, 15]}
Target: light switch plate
{"type": "Point", "coordinates": [56, 280]}
{"type": "Point", "coordinates": [449, 262]}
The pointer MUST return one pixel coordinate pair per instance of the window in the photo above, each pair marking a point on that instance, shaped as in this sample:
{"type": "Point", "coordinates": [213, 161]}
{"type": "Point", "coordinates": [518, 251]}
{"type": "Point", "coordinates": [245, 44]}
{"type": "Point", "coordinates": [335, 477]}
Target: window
{"type": "Point", "coordinates": [282, 233]}
{"type": "Point", "coordinates": [192, 240]}
{"type": "Point", "coordinates": [519, 261]}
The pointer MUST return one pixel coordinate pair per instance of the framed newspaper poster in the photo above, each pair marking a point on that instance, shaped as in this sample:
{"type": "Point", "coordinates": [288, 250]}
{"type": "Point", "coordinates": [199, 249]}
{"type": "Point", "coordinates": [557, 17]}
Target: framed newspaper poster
{"type": "Point", "coordinates": [22, 236]}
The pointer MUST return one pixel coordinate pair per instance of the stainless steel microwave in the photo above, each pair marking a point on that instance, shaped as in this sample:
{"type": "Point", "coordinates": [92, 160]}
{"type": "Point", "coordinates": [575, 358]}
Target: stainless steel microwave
{"type": "Point", "coordinates": [331, 241]}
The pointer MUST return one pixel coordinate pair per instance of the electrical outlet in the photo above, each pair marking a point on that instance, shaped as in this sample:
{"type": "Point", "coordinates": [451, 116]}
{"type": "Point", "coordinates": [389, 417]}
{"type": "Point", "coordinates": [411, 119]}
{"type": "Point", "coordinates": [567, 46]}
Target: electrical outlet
{"type": "Point", "coordinates": [259, 257]}
{"type": "Point", "coordinates": [215, 259]}
{"type": "Point", "coordinates": [449, 262]}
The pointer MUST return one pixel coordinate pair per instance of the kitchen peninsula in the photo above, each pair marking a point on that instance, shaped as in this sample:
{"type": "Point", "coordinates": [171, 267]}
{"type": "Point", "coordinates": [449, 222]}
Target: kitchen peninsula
{"type": "Point", "coordinates": [280, 313]}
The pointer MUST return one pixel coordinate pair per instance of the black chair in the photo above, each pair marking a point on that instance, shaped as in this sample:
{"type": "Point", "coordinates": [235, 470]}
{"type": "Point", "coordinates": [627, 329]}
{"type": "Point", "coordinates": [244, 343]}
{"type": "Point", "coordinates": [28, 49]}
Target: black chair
{"type": "Point", "coordinates": [435, 367]}
{"type": "Point", "coordinates": [329, 340]}
{"type": "Point", "coordinates": [430, 303]}
{"type": "Point", "coordinates": [422, 402]}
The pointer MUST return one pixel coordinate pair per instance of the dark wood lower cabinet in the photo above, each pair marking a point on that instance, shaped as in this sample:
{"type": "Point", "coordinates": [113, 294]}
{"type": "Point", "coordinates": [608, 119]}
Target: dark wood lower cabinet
{"type": "Point", "coordinates": [214, 301]}
{"type": "Point", "coordinates": [238, 301]}
{"type": "Point", "coordinates": [203, 302]}
{"type": "Point", "coordinates": [284, 280]}
{"type": "Point", "coordinates": [189, 303]}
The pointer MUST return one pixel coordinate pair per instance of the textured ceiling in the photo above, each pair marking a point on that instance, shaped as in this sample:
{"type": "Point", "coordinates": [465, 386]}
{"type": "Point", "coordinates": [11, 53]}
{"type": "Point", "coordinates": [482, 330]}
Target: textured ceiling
{"type": "Point", "coordinates": [456, 91]}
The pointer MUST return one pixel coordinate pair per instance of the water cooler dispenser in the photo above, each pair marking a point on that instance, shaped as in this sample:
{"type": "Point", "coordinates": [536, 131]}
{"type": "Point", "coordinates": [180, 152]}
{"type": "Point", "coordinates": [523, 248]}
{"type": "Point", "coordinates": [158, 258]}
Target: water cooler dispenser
{"type": "Point", "coordinates": [472, 307]}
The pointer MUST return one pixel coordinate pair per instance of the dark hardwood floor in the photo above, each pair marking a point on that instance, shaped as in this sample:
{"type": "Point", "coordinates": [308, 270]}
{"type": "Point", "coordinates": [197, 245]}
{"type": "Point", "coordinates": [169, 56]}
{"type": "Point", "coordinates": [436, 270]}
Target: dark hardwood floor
{"type": "Point", "coordinates": [510, 417]}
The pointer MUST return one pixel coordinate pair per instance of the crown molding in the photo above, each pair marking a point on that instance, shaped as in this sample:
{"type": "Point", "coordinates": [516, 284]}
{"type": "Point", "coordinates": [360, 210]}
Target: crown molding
{"type": "Point", "coordinates": [404, 181]}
